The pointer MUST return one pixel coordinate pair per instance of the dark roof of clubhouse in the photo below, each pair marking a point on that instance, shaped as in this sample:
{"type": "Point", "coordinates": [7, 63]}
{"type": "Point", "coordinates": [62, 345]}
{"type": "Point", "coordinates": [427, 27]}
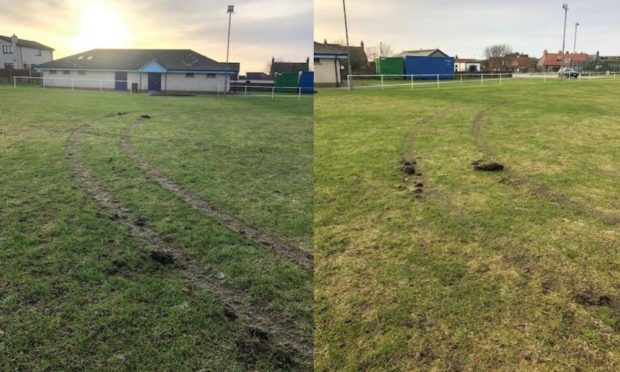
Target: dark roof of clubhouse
{"type": "Point", "coordinates": [134, 59]}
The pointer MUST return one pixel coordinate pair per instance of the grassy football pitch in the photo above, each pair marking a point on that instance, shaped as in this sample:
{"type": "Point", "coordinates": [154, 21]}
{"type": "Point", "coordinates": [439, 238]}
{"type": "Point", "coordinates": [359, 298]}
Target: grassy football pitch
{"type": "Point", "coordinates": [180, 239]}
{"type": "Point", "coordinates": [423, 262]}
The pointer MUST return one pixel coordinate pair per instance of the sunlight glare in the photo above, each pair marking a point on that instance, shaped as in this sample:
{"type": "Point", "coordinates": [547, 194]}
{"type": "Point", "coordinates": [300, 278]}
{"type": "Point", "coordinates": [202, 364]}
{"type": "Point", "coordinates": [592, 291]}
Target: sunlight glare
{"type": "Point", "coordinates": [101, 26]}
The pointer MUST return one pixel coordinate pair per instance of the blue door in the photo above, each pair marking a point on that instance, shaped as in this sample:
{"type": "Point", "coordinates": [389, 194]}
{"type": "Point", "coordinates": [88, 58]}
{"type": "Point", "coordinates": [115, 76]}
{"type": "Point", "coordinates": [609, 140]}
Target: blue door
{"type": "Point", "coordinates": [120, 80]}
{"type": "Point", "coordinates": [154, 82]}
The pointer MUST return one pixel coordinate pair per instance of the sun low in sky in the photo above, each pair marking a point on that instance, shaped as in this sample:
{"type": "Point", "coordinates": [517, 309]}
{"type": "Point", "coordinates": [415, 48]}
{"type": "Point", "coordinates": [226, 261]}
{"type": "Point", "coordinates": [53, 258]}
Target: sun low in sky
{"type": "Point", "coordinates": [261, 29]}
{"type": "Point", "coordinates": [100, 25]}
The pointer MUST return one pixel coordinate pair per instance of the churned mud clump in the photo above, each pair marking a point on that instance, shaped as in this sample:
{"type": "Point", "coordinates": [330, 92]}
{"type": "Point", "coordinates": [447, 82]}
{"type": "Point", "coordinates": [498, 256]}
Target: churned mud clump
{"type": "Point", "coordinates": [487, 166]}
{"type": "Point", "coordinates": [409, 167]}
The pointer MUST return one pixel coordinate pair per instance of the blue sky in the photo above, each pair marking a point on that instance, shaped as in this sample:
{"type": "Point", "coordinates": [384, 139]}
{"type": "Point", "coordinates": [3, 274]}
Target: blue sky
{"type": "Point", "coordinates": [260, 28]}
{"type": "Point", "coordinates": [465, 28]}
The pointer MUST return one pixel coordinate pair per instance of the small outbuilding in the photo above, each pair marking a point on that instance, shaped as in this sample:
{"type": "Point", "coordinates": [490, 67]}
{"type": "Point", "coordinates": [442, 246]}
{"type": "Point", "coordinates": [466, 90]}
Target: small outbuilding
{"type": "Point", "coordinates": [168, 70]}
{"type": "Point", "coordinates": [329, 60]}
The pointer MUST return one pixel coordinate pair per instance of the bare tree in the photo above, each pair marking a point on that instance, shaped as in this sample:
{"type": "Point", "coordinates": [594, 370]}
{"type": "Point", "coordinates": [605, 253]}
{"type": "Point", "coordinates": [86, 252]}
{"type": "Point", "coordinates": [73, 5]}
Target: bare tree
{"type": "Point", "coordinates": [382, 50]}
{"type": "Point", "coordinates": [496, 55]}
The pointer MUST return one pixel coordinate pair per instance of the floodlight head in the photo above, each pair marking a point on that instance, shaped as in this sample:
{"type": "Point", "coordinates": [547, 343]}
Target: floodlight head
{"type": "Point", "coordinates": [565, 6]}
{"type": "Point", "coordinates": [577, 24]}
{"type": "Point", "coordinates": [231, 9]}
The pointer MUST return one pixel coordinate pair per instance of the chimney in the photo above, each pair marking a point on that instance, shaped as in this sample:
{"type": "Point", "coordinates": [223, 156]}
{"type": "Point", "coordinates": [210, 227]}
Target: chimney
{"type": "Point", "coordinates": [362, 44]}
{"type": "Point", "coordinates": [273, 60]}
{"type": "Point", "coordinates": [324, 41]}
{"type": "Point", "coordinates": [546, 52]}
{"type": "Point", "coordinates": [16, 61]}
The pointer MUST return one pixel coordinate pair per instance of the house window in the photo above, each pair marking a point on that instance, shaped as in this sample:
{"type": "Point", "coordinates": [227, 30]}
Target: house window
{"type": "Point", "coordinates": [9, 66]}
{"type": "Point", "coordinates": [81, 72]}
{"type": "Point", "coordinates": [317, 61]}
{"type": "Point", "coordinates": [53, 72]}
{"type": "Point", "coordinates": [7, 49]}
{"type": "Point", "coordinates": [210, 76]}
{"type": "Point", "coordinates": [38, 52]}
{"type": "Point", "coordinates": [189, 75]}
{"type": "Point", "coordinates": [66, 72]}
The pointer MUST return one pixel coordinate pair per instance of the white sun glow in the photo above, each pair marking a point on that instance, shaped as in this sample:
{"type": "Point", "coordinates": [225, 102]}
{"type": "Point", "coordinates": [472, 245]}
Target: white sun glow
{"type": "Point", "coordinates": [101, 26]}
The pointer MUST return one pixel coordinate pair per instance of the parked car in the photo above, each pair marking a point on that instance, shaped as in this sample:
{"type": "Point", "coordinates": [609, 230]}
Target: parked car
{"type": "Point", "coordinates": [568, 72]}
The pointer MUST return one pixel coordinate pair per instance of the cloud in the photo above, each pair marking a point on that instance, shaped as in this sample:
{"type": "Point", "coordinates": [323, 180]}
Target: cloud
{"type": "Point", "coordinates": [260, 28]}
{"type": "Point", "coordinates": [465, 28]}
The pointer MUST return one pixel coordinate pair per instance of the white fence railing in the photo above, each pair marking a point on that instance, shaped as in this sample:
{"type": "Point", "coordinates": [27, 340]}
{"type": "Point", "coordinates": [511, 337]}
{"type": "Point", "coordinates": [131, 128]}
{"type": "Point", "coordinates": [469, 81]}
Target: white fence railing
{"type": "Point", "coordinates": [72, 83]}
{"type": "Point", "coordinates": [221, 90]}
{"type": "Point", "coordinates": [412, 81]}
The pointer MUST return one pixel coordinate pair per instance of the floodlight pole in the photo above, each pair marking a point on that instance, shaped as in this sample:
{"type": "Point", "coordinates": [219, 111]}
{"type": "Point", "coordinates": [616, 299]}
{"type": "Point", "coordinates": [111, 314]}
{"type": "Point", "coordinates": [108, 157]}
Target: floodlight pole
{"type": "Point", "coordinates": [230, 11]}
{"type": "Point", "coordinates": [565, 7]}
{"type": "Point", "coordinates": [575, 45]}
{"type": "Point", "coordinates": [346, 30]}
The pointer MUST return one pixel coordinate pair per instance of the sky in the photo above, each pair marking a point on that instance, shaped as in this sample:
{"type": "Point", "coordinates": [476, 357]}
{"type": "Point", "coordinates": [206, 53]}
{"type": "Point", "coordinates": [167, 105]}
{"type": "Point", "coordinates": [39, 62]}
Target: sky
{"type": "Point", "coordinates": [465, 28]}
{"type": "Point", "coordinates": [261, 29]}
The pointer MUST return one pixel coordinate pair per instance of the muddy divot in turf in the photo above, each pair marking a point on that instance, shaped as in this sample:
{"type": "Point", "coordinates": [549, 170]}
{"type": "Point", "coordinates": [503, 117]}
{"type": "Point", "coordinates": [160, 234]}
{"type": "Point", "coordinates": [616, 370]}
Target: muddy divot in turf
{"type": "Point", "coordinates": [289, 251]}
{"type": "Point", "coordinates": [281, 339]}
{"type": "Point", "coordinates": [515, 179]}
{"type": "Point", "coordinates": [487, 166]}
{"type": "Point", "coordinates": [162, 257]}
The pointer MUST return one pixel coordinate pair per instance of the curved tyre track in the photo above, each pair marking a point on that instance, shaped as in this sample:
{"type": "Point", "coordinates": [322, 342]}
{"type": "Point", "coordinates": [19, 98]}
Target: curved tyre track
{"type": "Point", "coordinates": [280, 338]}
{"type": "Point", "coordinates": [409, 154]}
{"type": "Point", "coordinates": [293, 253]}
{"type": "Point", "coordinates": [537, 189]}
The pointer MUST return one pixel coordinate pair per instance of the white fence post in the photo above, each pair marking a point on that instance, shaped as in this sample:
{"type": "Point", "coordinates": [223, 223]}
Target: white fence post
{"type": "Point", "coordinates": [382, 83]}
{"type": "Point", "coordinates": [14, 82]}
{"type": "Point", "coordinates": [299, 96]}
{"type": "Point", "coordinates": [273, 92]}
{"type": "Point", "coordinates": [500, 79]}
{"type": "Point", "coordinates": [246, 90]}
{"type": "Point", "coordinates": [72, 84]}
{"type": "Point", "coordinates": [411, 82]}
{"type": "Point", "coordinates": [349, 82]}
{"type": "Point", "coordinates": [481, 79]}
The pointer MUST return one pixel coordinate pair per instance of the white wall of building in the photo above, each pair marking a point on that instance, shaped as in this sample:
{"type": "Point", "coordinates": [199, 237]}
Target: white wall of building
{"type": "Point", "coordinates": [464, 66]}
{"type": "Point", "coordinates": [198, 83]}
{"type": "Point", "coordinates": [105, 80]}
{"type": "Point", "coordinates": [88, 80]}
{"type": "Point", "coordinates": [327, 71]}
{"type": "Point", "coordinates": [5, 58]}
{"type": "Point", "coordinates": [29, 56]}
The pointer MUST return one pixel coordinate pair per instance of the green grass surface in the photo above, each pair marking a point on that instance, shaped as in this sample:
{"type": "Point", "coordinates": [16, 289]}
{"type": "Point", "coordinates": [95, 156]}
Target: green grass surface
{"type": "Point", "coordinates": [77, 292]}
{"type": "Point", "coordinates": [516, 270]}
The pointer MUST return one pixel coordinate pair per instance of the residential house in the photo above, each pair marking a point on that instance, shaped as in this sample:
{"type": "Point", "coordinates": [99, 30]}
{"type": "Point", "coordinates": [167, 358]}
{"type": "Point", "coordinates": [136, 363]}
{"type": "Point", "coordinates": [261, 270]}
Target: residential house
{"type": "Point", "coordinates": [181, 70]}
{"type": "Point", "coordinates": [465, 65]}
{"type": "Point", "coordinates": [16, 53]}
{"type": "Point", "coordinates": [518, 62]}
{"type": "Point", "coordinates": [554, 61]}
{"type": "Point", "coordinates": [329, 63]}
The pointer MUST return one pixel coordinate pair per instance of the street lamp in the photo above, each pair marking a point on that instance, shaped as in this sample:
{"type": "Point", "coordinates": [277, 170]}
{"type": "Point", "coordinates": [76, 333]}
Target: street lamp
{"type": "Point", "coordinates": [565, 7]}
{"type": "Point", "coordinates": [575, 45]}
{"type": "Point", "coordinates": [346, 30]}
{"type": "Point", "coordinates": [230, 11]}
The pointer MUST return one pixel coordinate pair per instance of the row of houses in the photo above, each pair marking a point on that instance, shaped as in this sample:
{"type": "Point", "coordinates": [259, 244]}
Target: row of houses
{"type": "Point", "coordinates": [331, 63]}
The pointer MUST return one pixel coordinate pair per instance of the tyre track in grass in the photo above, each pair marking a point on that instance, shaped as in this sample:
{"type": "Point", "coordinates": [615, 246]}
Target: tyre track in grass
{"type": "Point", "coordinates": [411, 158]}
{"type": "Point", "coordinates": [276, 339]}
{"type": "Point", "coordinates": [294, 253]}
{"type": "Point", "coordinates": [516, 180]}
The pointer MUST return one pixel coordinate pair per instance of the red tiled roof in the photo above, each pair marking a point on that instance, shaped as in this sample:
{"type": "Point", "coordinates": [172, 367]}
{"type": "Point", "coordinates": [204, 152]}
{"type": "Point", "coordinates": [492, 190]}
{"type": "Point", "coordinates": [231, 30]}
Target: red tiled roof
{"type": "Point", "coordinates": [555, 59]}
